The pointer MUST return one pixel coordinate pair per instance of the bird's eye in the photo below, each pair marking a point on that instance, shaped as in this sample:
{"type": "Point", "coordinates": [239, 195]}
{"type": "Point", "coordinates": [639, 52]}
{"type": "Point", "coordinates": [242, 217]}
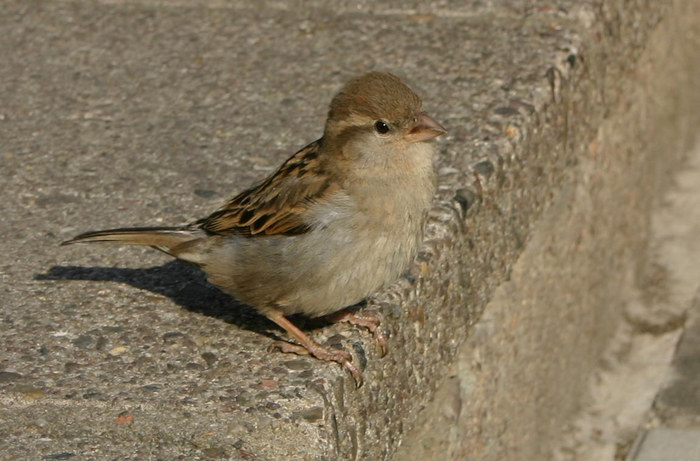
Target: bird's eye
{"type": "Point", "coordinates": [381, 127]}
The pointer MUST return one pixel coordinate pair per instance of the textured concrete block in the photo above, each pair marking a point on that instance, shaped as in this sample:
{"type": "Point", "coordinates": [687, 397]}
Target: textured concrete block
{"type": "Point", "coordinates": [155, 112]}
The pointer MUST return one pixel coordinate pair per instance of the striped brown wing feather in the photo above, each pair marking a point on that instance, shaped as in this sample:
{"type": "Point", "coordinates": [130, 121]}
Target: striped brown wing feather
{"type": "Point", "coordinates": [277, 205]}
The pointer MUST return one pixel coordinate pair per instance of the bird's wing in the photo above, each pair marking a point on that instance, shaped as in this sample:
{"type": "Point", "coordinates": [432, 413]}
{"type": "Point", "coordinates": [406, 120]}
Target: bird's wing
{"type": "Point", "coordinates": [278, 205]}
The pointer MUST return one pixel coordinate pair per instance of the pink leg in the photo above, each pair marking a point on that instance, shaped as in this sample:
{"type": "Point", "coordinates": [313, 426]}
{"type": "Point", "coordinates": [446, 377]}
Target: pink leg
{"type": "Point", "coordinates": [309, 346]}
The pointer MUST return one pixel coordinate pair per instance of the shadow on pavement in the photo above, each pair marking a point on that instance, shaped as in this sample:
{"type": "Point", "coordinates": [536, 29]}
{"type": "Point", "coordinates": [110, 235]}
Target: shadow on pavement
{"type": "Point", "coordinates": [187, 286]}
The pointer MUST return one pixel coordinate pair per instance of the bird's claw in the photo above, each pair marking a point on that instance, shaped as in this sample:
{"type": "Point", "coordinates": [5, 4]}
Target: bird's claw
{"type": "Point", "coordinates": [368, 320]}
{"type": "Point", "coordinates": [340, 356]}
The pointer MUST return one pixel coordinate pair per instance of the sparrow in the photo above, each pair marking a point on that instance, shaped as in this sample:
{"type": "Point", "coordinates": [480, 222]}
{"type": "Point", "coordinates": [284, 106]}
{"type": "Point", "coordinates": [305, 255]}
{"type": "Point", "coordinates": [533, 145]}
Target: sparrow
{"type": "Point", "coordinates": [339, 220]}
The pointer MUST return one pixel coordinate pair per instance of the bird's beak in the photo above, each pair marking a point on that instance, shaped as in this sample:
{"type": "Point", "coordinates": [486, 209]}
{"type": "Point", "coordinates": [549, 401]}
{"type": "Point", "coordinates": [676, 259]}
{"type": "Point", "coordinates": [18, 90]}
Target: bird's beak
{"type": "Point", "coordinates": [424, 128]}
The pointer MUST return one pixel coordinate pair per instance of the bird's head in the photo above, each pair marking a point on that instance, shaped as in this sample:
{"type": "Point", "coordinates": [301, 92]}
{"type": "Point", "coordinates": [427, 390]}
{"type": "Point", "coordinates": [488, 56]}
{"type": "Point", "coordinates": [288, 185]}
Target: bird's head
{"type": "Point", "coordinates": [378, 110]}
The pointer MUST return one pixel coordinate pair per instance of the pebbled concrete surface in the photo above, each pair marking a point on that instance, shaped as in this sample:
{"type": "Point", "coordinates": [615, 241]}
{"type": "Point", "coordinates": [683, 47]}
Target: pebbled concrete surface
{"type": "Point", "coordinates": [154, 112]}
{"type": "Point", "coordinates": [592, 290]}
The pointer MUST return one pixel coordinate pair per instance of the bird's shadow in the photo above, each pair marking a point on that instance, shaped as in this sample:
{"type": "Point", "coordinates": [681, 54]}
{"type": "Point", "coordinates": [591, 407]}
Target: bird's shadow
{"type": "Point", "coordinates": [187, 286]}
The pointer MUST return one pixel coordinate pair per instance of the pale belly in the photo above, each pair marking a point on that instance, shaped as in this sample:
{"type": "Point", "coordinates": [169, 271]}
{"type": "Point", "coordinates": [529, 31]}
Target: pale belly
{"type": "Point", "coordinates": [358, 245]}
{"type": "Point", "coordinates": [320, 272]}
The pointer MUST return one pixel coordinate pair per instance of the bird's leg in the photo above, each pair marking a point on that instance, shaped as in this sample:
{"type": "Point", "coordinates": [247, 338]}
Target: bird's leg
{"type": "Point", "coordinates": [309, 346]}
{"type": "Point", "coordinates": [365, 319]}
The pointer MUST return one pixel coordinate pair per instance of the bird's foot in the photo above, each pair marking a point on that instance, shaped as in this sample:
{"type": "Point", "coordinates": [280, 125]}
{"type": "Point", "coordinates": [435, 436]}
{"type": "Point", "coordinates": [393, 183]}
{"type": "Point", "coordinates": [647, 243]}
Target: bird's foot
{"type": "Point", "coordinates": [314, 349]}
{"type": "Point", "coordinates": [307, 346]}
{"type": "Point", "coordinates": [365, 319]}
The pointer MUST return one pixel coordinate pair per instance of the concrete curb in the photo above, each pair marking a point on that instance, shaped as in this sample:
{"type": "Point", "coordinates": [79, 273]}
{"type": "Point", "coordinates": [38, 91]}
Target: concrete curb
{"type": "Point", "coordinates": [118, 113]}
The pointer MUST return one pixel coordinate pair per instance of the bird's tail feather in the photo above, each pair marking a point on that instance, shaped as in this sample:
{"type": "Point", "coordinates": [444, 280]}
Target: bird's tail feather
{"type": "Point", "coordinates": [167, 239]}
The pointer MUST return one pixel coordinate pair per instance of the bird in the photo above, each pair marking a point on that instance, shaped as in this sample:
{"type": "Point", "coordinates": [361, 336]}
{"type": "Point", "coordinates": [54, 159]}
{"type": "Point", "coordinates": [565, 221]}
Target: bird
{"type": "Point", "coordinates": [339, 220]}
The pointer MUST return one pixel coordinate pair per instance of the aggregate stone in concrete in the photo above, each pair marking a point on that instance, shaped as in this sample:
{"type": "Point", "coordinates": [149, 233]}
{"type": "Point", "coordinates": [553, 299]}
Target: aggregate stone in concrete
{"type": "Point", "coordinates": [152, 113]}
{"type": "Point", "coordinates": [149, 113]}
